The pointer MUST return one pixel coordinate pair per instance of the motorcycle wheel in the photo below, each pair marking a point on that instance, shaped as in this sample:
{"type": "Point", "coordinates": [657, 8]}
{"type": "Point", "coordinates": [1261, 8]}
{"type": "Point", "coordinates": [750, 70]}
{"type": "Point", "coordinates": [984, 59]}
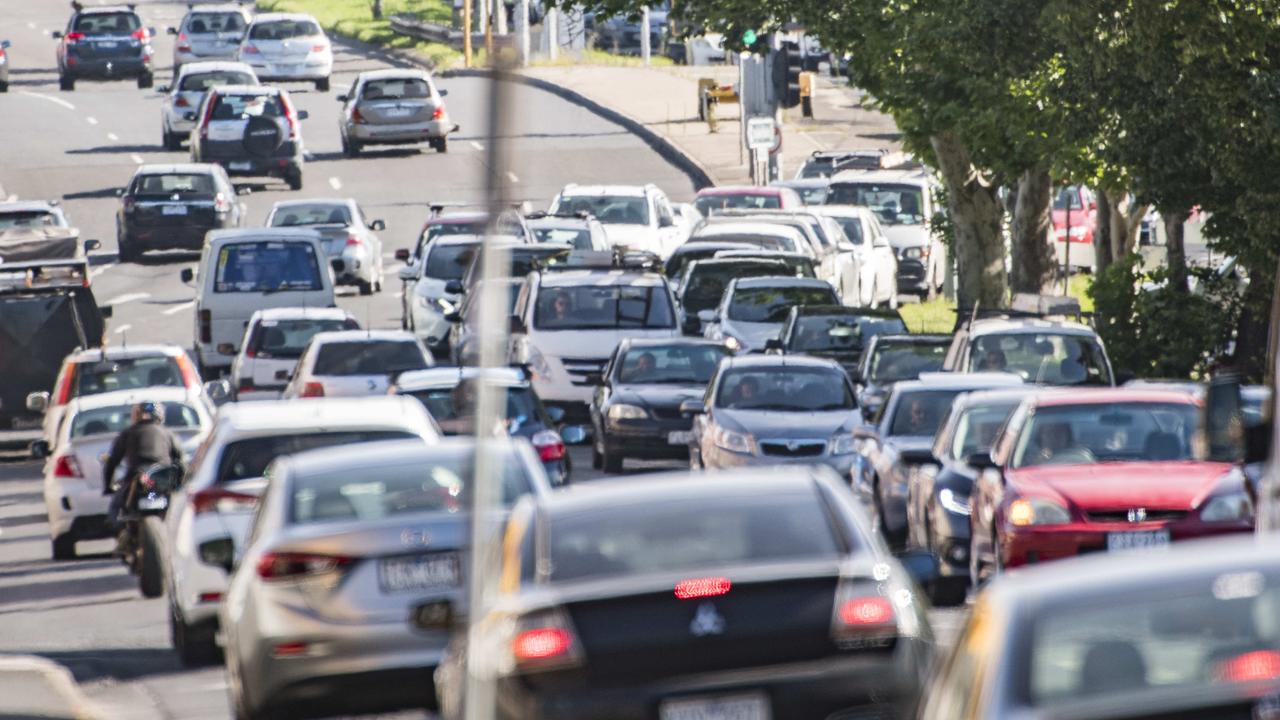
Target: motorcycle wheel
{"type": "Point", "coordinates": [150, 574]}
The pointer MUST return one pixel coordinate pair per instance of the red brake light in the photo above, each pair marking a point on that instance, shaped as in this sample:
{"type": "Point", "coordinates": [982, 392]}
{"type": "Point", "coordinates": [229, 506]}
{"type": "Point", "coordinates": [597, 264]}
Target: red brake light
{"type": "Point", "coordinates": [63, 393]}
{"type": "Point", "coordinates": [438, 113]}
{"type": "Point", "coordinates": [542, 644]}
{"type": "Point", "coordinates": [1250, 667]}
{"type": "Point", "coordinates": [353, 240]}
{"type": "Point", "coordinates": [694, 588]}
{"type": "Point", "coordinates": [290, 649]}
{"type": "Point", "coordinates": [249, 50]}
{"type": "Point", "coordinates": [74, 37]}
{"type": "Point", "coordinates": [549, 445]}
{"type": "Point", "coordinates": [866, 611]}
{"type": "Point", "coordinates": [190, 377]}
{"type": "Point", "coordinates": [312, 389]}
{"type": "Point", "coordinates": [290, 566]}
{"type": "Point", "coordinates": [221, 203]}
{"type": "Point", "coordinates": [210, 597]}
{"type": "Point", "coordinates": [66, 466]}
{"type": "Point", "coordinates": [291, 116]}
{"type": "Point", "coordinates": [219, 500]}
{"type": "Point", "coordinates": [181, 102]}
{"type": "Point", "coordinates": [320, 47]}
{"type": "Point", "coordinates": [356, 117]}
{"type": "Point", "coordinates": [141, 34]}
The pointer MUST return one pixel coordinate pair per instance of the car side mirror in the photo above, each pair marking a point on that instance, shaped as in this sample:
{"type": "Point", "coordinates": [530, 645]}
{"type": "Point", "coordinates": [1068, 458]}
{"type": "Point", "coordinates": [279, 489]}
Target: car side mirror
{"type": "Point", "coordinates": [454, 287]}
{"type": "Point", "coordinates": [1223, 434]}
{"type": "Point", "coordinates": [56, 34]}
{"type": "Point", "coordinates": [402, 255]}
{"type": "Point", "coordinates": [980, 461]}
{"type": "Point", "coordinates": [172, 30]}
{"type": "Point", "coordinates": [39, 449]}
{"type": "Point", "coordinates": [107, 312]}
{"type": "Point", "coordinates": [342, 98]}
{"type": "Point", "coordinates": [408, 272]}
{"type": "Point", "coordinates": [151, 32]}
{"type": "Point", "coordinates": [773, 345]}
{"type": "Point", "coordinates": [5, 44]}
{"type": "Point", "coordinates": [244, 189]}
{"type": "Point", "coordinates": [880, 242]}
{"type": "Point", "coordinates": [163, 89]}
{"type": "Point", "coordinates": [284, 375]}
{"type": "Point", "coordinates": [219, 391]}
{"type": "Point", "coordinates": [38, 402]}
{"type": "Point", "coordinates": [187, 275]}
{"type": "Point", "coordinates": [517, 325]}
{"type": "Point", "coordinates": [706, 317]}
{"type": "Point", "coordinates": [442, 92]}
{"type": "Point", "coordinates": [303, 114]}
{"type": "Point", "coordinates": [575, 435]}
{"type": "Point", "coordinates": [227, 349]}
{"type": "Point", "coordinates": [692, 407]}
{"type": "Point", "coordinates": [377, 225]}
{"type": "Point", "coordinates": [921, 565]}
{"type": "Point", "coordinates": [92, 245]}
{"type": "Point", "coordinates": [453, 316]}
{"type": "Point", "coordinates": [555, 414]}
{"type": "Point", "coordinates": [219, 553]}
{"type": "Point", "coordinates": [189, 116]}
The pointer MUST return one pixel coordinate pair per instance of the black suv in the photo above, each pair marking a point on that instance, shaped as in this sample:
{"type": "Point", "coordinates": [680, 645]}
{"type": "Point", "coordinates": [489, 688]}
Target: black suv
{"type": "Point", "coordinates": [104, 43]}
{"type": "Point", "coordinates": [250, 130]}
{"type": "Point", "coordinates": [171, 207]}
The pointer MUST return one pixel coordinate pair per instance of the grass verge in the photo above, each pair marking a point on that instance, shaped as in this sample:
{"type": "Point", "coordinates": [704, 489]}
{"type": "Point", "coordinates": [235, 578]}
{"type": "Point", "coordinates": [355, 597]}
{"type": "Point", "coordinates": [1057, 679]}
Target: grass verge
{"type": "Point", "coordinates": [354, 19]}
{"type": "Point", "coordinates": [939, 316]}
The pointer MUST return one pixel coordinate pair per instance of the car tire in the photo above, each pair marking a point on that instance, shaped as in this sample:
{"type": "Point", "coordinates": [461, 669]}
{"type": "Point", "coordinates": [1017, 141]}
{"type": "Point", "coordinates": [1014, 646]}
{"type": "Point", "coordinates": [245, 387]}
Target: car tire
{"type": "Point", "coordinates": [610, 462]}
{"type": "Point", "coordinates": [66, 83]}
{"type": "Point", "coordinates": [150, 572]}
{"type": "Point", "coordinates": [146, 81]}
{"type": "Point", "coordinates": [294, 178]}
{"type": "Point", "coordinates": [172, 141]}
{"type": "Point", "coordinates": [441, 145]}
{"type": "Point", "coordinates": [597, 460]}
{"type": "Point", "coordinates": [350, 148]}
{"type": "Point", "coordinates": [195, 644]}
{"type": "Point", "coordinates": [126, 253]}
{"type": "Point", "coordinates": [948, 591]}
{"type": "Point", "coordinates": [64, 547]}
{"type": "Point", "coordinates": [366, 287]}
{"type": "Point", "coordinates": [4, 87]}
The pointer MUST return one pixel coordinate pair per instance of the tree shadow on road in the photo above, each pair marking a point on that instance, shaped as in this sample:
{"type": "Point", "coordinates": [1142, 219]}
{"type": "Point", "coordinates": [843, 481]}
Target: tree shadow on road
{"type": "Point", "coordinates": [120, 664]}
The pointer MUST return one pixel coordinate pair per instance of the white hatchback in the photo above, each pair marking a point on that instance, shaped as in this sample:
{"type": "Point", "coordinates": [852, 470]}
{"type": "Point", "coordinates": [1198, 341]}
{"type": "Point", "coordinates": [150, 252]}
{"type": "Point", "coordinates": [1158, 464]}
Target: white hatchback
{"type": "Point", "coordinates": [273, 342]}
{"type": "Point", "coordinates": [288, 46]}
{"type": "Point", "coordinates": [355, 363]}
{"type": "Point", "coordinates": [187, 92]}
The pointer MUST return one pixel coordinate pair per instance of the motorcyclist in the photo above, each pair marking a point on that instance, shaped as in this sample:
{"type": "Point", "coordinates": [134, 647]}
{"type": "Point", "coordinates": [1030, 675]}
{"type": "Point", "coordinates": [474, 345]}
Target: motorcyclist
{"type": "Point", "coordinates": [141, 445]}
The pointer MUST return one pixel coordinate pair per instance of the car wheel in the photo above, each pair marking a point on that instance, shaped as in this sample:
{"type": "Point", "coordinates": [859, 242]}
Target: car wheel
{"type": "Point", "coordinates": [948, 591]}
{"type": "Point", "coordinates": [126, 251]}
{"type": "Point", "coordinates": [366, 287]}
{"type": "Point", "coordinates": [350, 148]}
{"type": "Point", "coordinates": [322, 85]}
{"type": "Point", "coordinates": [172, 141]}
{"type": "Point", "coordinates": [441, 145]}
{"type": "Point", "coordinates": [610, 462]}
{"type": "Point", "coordinates": [64, 547]}
{"type": "Point", "coordinates": [66, 83]}
{"type": "Point", "coordinates": [4, 87]}
{"type": "Point", "coordinates": [294, 178]}
{"type": "Point", "coordinates": [146, 81]}
{"type": "Point", "coordinates": [195, 644]}
{"type": "Point", "coordinates": [150, 574]}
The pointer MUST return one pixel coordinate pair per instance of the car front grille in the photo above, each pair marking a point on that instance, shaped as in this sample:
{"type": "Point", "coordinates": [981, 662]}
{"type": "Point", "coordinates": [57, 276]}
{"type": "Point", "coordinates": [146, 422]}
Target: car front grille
{"type": "Point", "coordinates": [580, 368]}
{"type": "Point", "coordinates": [793, 448]}
{"type": "Point", "coordinates": [1122, 516]}
{"type": "Point", "coordinates": [666, 413]}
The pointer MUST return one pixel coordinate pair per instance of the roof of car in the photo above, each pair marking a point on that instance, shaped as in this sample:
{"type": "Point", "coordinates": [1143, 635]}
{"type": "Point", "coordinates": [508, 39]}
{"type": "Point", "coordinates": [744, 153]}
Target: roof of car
{"type": "Point", "coordinates": [560, 221]}
{"type": "Point", "coordinates": [756, 360]}
{"type": "Point", "coordinates": [712, 246]}
{"type": "Point", "coordinates": [603, 277]}
{"type": "Point", "coordinates": [678, 487]}
{"type": "Point", "coordinates": [118, 352]}
{"type": "Point", "coordinates": [1028, 325]}
{"type": "Point", "coordinates": [347, 336]}
{"type": "Point", "coordinates": [300, 313]}
{"type": "Point", "coordinates": [845, 310]}
{"type": "Point", "coordinates": [213, 66]}
{"type": "Point", "coordinates": [408, 451]}
{"type": "Point", "coordinates": [275, 16]}
{"type": "Point", "coordinates": [802, 183]}
{"type": "Point", "coordinates": [282, 234]}
{"type": "Point", "coordinates": [909, 176]}
{"type": "Point", "coordinates": [605, 190]}
{"type": "Point", "coordinates": [176, 168]}
{"type": "Point", "coordinates": [217, 7]}
{"type": "Point", "coordinates": [117, 398]}
{"type": "Point", "coordinates": [247, 90]}
{"type": "Point", "coordinates": [313, 201]}
{"type": "Point", "coordinates": [958, 381]}
{"type": "Point", "coordinates": [1108, 396]}
{"type": "Point", "coordinates": [740, 190]}
{"type": "Point", "coordinates": [998, 396]}
{"type": "Point", "coordinates": [442, 377]}
{"type": "Point", "coordinates": [842, 210]}
{"type": "Point", "coordinates": [457, 240]}
{"type": "Point", "coordinates": [17, 206]}
{"type": "Point", "coordinates": [758, 253]}
{"type": "Point", "coordinates": [716, 262]}
{"type": "Point", "coordinates": [103, 9]}
{"type": "Point", "coordinates": [923, 338]}
{"type": "Point", "coordinates": [766, 282]}
{"type": "Point", "coordinates": [667, 342]}
{"type": "Point", "coordinates": [744, 227]}
{"type": "Point", "coordinates": [457, 218]}
{"type": "Point", "coordinates": [318, 414]}
{"type": "Point", "coordinates": [392, 73]}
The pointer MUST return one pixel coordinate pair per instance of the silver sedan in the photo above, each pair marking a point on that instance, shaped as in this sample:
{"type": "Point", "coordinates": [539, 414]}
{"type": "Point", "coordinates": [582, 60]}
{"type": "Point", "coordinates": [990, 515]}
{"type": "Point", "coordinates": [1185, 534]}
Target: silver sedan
{"type": "Point", "coordinates": [353, 249]}
{"type": "Point", "coordinates": [344, 598]}
{"type": "Point", "coordinates": [394, 107]}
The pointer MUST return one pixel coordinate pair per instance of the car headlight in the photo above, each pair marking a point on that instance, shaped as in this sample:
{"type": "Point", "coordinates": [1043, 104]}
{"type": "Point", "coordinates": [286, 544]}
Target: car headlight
{"type": "Point", "coordinates": [733, 343]}
{"type": "Point", "coordinates": [1228, 508]}
{"type": "Point", "coordinates": [734, 441]}
{"type": "Point", "coordinates": [843, 444]}
{"type": "Point", "coordinates": [912, 253]}
{"type": "Point", "coordinates": [952, 501]}
{"type": "Point", "coordinates": [1037, 511]}
{"type": "Point", "coordinates": [623, 411]}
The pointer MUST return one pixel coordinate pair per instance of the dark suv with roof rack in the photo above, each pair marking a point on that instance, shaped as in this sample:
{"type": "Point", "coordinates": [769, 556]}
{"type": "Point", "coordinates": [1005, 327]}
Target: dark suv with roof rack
{"type": "Point", "coordinates": [104, 43]}
{"type": "Point", "coordinates": [250, 130]}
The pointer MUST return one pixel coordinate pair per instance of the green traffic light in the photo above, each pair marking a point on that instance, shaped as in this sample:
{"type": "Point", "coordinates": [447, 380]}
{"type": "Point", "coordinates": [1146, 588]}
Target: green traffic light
{"type": "Point", "coordinates": [749, 37]}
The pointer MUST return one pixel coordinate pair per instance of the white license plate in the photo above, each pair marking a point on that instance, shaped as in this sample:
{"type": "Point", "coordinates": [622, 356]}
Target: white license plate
{"type": "Point", "coordinates": [240, 165]}
{"type": "Point", "coordinates": [109, 45]}
{"type": "Point", "coordinates": [153, 502]}
{"type": "Point", "coordinates": [399, 112]}
{"type": "Point", "coordinates": [437, 571]}
{"type": "Point", "coordinates": [679, 437]}
{"type": "Point", "coordinates": [174, 210]}
{"type": "Point", "coordinates": [738, 707]}
{"type": "Point", "coordinates": [1137, 540]}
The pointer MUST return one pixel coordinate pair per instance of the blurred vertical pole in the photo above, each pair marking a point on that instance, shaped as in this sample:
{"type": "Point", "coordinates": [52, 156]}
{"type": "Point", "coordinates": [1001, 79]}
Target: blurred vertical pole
{"type": "Point", "coordinates": [490, 405]}
{"type": "Point", "coordinates": [522, 22]}
{"type": "Point", "coordinates": [500, 17]}
{"type": "Point", "coordinates": [466, 33]}
{"type": "Point", "coordinates": [551, 30]}
{"type": "Point", "coordinates": [645, 43]}
{"type": "Point", "coordinates": [488, 28]}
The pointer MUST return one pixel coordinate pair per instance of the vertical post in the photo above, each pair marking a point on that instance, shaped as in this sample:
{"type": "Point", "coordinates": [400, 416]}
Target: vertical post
{"type": "Point", "coordinates": [644, 35]}
{"type": "Point", "coordinates": [466, 33]}
{"type": "Point", "coordinates": [551, 29]}
{"type": "Point", "coordinates": [500, 17]}
{"type": "Point", "coordinates": [488, 29]}
{"type": "Point", "coordinates": [1066, 253]}
{"type": "Point", "coordinates": [522, 22]}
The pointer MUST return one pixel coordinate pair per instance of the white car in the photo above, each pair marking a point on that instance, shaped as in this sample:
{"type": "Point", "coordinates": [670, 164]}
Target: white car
{"type": "Point", "coordinates": [273, 341]}
{"type": "Point", "coordinates": [187, 92]}
{"type": "Point", "coordinates": [353, 248]}
{"type": "Point", "coordinates": [752, 311]}
{"type": "Point", "coordinates": [208, 521]}
{"type": "Point", "coordinates": [636, 217]}
{"type": "Point", "coordinates": [288, 46]}
{"type": "Point", "coordinates": [209, 32]}
{"type": "Point", "coordinates": [73, 461]}
{"type": "Point", "coordinates": [583, 232]}
{"type": "Point", "coordinates": [875, 279]}
{"type": "Point", "coordinates": [426, 301]}
{"type": "Point", "coordinates": [355, 363]}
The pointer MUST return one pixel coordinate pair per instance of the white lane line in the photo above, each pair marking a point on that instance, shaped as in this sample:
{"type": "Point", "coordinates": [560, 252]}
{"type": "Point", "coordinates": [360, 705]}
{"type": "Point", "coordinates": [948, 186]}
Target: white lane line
{"type": "Point", "coordinates": [113, 137]}
{"type": "Point", "coordinates": [335, 183]}
{"type": "Point", "coordinates": [477, 145]}
{"type": "Point", "coordinates": [100, 269]}
{"type": "Point", "coordinates": [179, 308]}
{"type": "Point", "coordinates": [136, 158]}
{"type": "Point", "coordinates": [127, 297]}
{"type": "Point", "coordinates": [91, 120]}
{"type": "Point", "coordinates": [122, 328]}
{"type": "Point", "coordinates": [50, 98]}
{"type": "Point", "coordinates": [512, 177]}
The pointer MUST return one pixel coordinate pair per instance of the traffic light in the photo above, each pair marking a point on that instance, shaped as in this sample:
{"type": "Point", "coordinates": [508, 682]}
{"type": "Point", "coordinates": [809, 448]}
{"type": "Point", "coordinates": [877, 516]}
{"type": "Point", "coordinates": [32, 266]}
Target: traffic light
{"type": "Point", "coordinates": [786, 66]}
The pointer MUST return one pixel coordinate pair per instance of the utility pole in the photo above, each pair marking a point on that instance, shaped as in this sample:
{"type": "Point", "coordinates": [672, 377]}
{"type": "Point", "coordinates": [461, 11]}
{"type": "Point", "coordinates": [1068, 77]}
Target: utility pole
{"type": "Point", "coordinates": [522, 22]}
{"type": "Point", "coordinates": [488, 29]}
{"type": "Point", "coordinates": [645, 49]}
{"type": "Point", "coordinates": [551, 31]}
{"type": "Point", "coordinates": [466, 33]}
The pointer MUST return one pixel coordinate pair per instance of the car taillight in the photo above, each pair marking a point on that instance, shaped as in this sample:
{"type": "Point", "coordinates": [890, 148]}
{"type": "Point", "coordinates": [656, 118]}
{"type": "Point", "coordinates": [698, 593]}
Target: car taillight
{"type": "Point", "coordinates": [141, 34]}
{"type": "Point", "coordinates": [208, 113]}
{"type": "Point", "coordinates": [549, 444]}
{"type": "Point", "coordinates": [866, 612]}
{"type": "Point", "coordinates": [290, 116]}
{"type": "Point", "coordinates": [862, 617]}
{"type": "Point", "coordinates": [313, 389]}
{"type": "Point", "coordinates": [249, 50]}
{"type": "Point", "coordinates": [190, 377]}
{"type": "Point", "coordinates": [544, 641]}
{"type": "Point", "coordinates": [319, 47]}
{"type": "Point", "coordinates": [129, 204]}
{"type": "Point", "coordinates": [245, 385]}
{"type": "Point", "coordinates": [74, 37]}
{"type": "Point", "coordinates": [703, 587]}
{"type": "Point", "coordinates": [353, 240]}
{"type": "Point", "coordinates": [438, 113]}
{"type": "Point", "coordinates": [294, 566]}
{"type": "Point", "coordinates": [1255, 666]}
{"type": "Point", "coordinates": [206, 326]}
{"type": "Point", "coordinates": [356, 117]}
{"type": "Point", "coordinates": [181, 102]}
{"type": "Point", "coordinates": [221, 203]}
{"type": "Point", "coordinates": [66, 466]}
{"type": "Point", "coordinates": [62, 393]}
{"type": "Point", "coordinates": [220, 500]}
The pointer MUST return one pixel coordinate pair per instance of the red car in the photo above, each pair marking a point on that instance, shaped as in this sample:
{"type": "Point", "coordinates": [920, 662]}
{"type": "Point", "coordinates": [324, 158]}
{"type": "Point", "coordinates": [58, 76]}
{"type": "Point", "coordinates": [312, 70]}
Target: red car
{"type": "Point", "coordinates": [1103, 470]}
{"type": "Point", "coordinates": [1081, 228]}
{"type": "Point", "coordinates": [746, 197]}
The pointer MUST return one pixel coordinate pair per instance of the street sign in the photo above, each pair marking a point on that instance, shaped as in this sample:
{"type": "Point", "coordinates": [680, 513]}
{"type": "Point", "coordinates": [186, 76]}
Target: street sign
{"type": "Point", "coordinates": [760, 133]}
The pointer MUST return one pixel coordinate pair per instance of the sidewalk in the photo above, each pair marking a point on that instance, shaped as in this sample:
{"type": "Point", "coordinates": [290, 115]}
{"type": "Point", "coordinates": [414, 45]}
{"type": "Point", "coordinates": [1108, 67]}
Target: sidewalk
{"type": "Point", "coordinates": [665, 100]}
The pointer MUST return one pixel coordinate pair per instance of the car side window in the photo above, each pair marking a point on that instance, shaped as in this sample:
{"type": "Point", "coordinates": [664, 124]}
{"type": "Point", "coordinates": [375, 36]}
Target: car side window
{"type": "Point", "coordinates": [665, 216]}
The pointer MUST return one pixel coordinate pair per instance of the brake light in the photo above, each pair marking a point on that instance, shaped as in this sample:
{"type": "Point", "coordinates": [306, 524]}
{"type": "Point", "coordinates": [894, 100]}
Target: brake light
{"type": "Point", "coordinates": [210, 597]}
{"type": "Point", "coordinates": [208, 113]}
{"type": "Point", "coordinates": [296, 648]}
{"type": "Point", "coordinates": [293, 566]}
{"type": "Point", "coordinates": [1250, 667]}
{"type": "Point", "coordinates": [245, 385]}
{"type": "Point", "coordinates": [438, 113]}
{"type": "Point", "coordinates": [66, 466]}
{"type": "Point", "coordinates": [866, 611]}
{"type": "Point", "coordinates": [221, 203]}
{"type": "Point", "coordinates": [542, 644]}
{"type": "Point", "coordinates": [129, 204]}
{"type": "Point", "coordinates": [549, 444]}
{"type": "Point", "coordinates": [74, 37]}
{"type": "Point", "coordinates": [291, 116]}
{"type": "Point", "coordinates": [181, 102]}
{"type": "Point", "coordinates": [249, 50]}
{"type": "Point", "coordinates": [321, 47]}
{"type": "Point", "coordinates": [312, 389]}
{"type": "Point", "coordinates": [206, 326]}
{"type": "Point", "coordinates": [705, 587]}
{"type": "Point", "coordinates": [190, 377]}
{"type": "Point", "coordinates": [141, 34]}
{"type": "Point", "coordinates": [862, 617]}
{"type": "Point", "coordinates": [220, 500]}
{"type": "Point", "coordinates": [352, 240]}
{"type": "Point", "coordinates": [356, 117]}
{"type": "Point", "coordinates": [63, 392]}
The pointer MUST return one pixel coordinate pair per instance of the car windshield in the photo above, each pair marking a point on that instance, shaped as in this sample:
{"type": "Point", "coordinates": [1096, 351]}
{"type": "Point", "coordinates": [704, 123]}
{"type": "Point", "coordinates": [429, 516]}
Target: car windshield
{"type": "Point", "coordinates": [852, 227]}
{"type": "Point", "coordinates": [316, 214]}
{"type": "Point", "coordinates": [1046, 359]}
{"type": "Point", "coordinates": [283, 30]}
{"type": "Point", "coordinates": [704, 287]}
{"type": "Point", "coordinates": [115, 419]}
{"type": "Point", "coordinates": [586, 307]}
{"type": "Point", "coordinates": [454, 407]}
{"type": "Point", "coordinates": [180, 184]}
{"type": "Point", "coordinates": [28, 219]}
{"type": "Point", "coordinates": [441, 485]}
{"type": "Point", "coordinates": [608, 209]}
{"type": "Point", "coordinates": [840, 333]}
{"type": "Point", "coordinates": [215, 22]}
{"type": "Point", "coordinates": [708, 204]}
{"type": "Point", "coordinates": [250, 457]}
{"type": "Point", "coordinates": [441, 229]}
{"type": "Point", "coordinates": [785, 389]}
{"type": "Point", "coordinates": [687, 254]}
{"type": "Point", "coordinates": [368, 357]}
{"type": "Point", "coordinates": [93, 378]}
{"type": "Point", "coordinates": [783, 242]}
{"type": "Point", "coordinates": [107, 23]}
{"type": "Point", "coordinates": [579, 239]}
{"type": "Point", "coordinates": [396, 89]}
{"type": "Point", "coordinates": [694, 535]}
{"type": "Point", "coordinates": [286, 339]}
{"type": "Point", "coordinates": [1067, 195]}
{"type": "Point", "coordinates": [670, 364]}
{"type": "Point", "coordinates": [1114, 432]}
{"type": "Point", "coordinates": [449, 262]}
{"type": "Point", "coordinates": [894, 361]}
{"type": "Point", "coordinates": [771, 304]}
{"type": "Point", "coordinates": [895, 204]}
{"type": "Point", "coordinates": [920, 412]}
{"type": "Point", "coordinates": [243, 107]}
{"type": "Point", "coordinates": [199, 82]}
{"type": "Point", "coordinates": [977, 427]}
{"type": "Point", "coordinates": [1187, 636]}
{"type": "Point", "coordinates": [267, 267]}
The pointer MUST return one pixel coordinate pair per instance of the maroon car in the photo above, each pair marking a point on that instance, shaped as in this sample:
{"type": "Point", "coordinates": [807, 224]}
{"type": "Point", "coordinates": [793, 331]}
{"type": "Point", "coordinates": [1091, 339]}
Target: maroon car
{"type": "Point", "coordinates": [1099, 470]}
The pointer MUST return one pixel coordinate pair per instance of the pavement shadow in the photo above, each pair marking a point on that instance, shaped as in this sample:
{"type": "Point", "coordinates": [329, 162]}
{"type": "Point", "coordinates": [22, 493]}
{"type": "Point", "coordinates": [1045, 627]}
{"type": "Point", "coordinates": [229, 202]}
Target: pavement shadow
{"type": "Point", "coordinates": [167, 257]}
{"type": "Point", "coordinates": [121, 664]}
{"type": "Point", "coordinates": [91, 194]}
{"type": "Point", "coordinates": [48, 567]}
{"type": "Point", "coordinates": [112, 149]}
{"type": "Point", "coordinates": [79, 587]}
{"type": "Point", "coordinates": [371, 153]}
{"type": "Point", "coordinates": [20, 520]}
{"type": "Point", "coordinates": [541, 136]}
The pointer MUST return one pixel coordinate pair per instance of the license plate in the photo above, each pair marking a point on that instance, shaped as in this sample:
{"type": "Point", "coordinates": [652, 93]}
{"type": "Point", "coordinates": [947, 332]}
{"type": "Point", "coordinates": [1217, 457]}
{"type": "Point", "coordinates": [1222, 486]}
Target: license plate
{"type": "Point", "coordinates": [153, 502]}
{"type": "Point", "coordinates": [174, 210]}
{"type": "Point", "coordinates": [739, 707]}
{"type": "Point", "coordinates": [399, 112]}
{"type": "Point", "coordinates": [240, 165]}
{"type": "Point", "coordinates": [679, 437]}
{"type": "Point", "coordinates": [421, 572]}
{"type": "Point", "coordinates": [109, 45]}
{"type": "Point", "coordinates": [1138, 540]}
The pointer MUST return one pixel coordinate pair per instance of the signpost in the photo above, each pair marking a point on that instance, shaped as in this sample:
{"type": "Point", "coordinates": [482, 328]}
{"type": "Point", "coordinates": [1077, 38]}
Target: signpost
{"type": "Point", "coordinates": [761, 137]}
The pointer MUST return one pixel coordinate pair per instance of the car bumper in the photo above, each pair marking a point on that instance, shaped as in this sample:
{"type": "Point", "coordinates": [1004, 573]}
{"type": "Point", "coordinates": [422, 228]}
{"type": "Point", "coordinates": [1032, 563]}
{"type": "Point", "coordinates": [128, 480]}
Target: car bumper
{"type": "Point", "coordinates": [180, 58]}
{"type": "Point", "coordinates": [178, 123]}
{"type": "Point", "coordinates": [108, 69]}
{"type": "Point", "coordinates": [309, 70]}
{"type": "Point", "coordinates": [912, 276]}
{"type": "Point", "coordinates": [352, 266]}
{"type": "Point", "coordinates": [1031, 545]}
{"type": "Point", "coordinates": [258, 167]}
{"type": "Point", "coordinates": [429, 323]}
{"type": "Point", "coordinates": [76, 509]}
{"type": "Point", "coordinates": [649, 439]}
{"type": "Point", "coordinates": [162, 237]}
{"type": "Point", "coordinates": [718, 457]}
{"type": "Point", "coordinates": [950, 537]}
{"type": "Point", "coordinates": [370, 134]}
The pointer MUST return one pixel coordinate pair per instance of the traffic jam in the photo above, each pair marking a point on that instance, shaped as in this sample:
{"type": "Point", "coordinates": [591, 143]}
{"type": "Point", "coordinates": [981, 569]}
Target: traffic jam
{"type": "Point", "coordinates": [713, 474]}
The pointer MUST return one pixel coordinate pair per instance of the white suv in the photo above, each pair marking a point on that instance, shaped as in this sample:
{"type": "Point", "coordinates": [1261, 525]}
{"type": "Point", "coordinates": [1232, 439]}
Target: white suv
{"type": "Point", "coordinates": [208, 521]}
{"type": "Point", "coordinates": [636, 217]}
{"type": "Point", "coordinates": [273, 341]}
{"type": "Point", "coordinates": [352, 363]}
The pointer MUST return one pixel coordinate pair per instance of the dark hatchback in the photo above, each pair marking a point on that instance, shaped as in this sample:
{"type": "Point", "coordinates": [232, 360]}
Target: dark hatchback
{"type": "Point", "coordinates": [748, 595]}
{"type": "Point", "coordinates": [682, 256]}
{"type": "Point", "coordinates": [250, 130]}
{"type": "Point", "coordinates": [635, 411]}
{"type": "Point", "coordinates": [703, 282]}
{"type": "Point", "coordinates": [104, 43]}
{"type": "Point", "coordinates": [171, 207]}
{"type": "Point", "coordinates": [888, 359]}
{"type": "Point", "coordinates": [834, 332]}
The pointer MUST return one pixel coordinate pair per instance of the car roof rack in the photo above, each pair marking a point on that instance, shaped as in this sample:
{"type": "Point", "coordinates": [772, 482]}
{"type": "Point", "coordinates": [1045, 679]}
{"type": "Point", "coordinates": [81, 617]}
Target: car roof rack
{"type": "Point", "coordinates": [1028, 306]}
{"type": "Point", "coordinates": [44, 274]}
{"type": "Point", "coordinates": [543, 214]}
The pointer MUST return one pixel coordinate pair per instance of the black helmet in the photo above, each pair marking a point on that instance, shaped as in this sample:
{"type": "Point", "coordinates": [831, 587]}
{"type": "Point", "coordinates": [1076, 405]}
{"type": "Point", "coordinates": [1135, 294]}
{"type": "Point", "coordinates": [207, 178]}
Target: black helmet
{"type": "Point", "coordinates": [148, 411]}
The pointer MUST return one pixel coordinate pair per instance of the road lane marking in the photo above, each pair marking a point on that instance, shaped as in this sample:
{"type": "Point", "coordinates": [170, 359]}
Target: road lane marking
{"type": "Point", "coordinates": [136, 158]}
{"type": "Point", "coordinates": [127, 297]}
{"type": "Point", "coordinates": [120, 330]}
{"type": "Point", "coordinates": [100, 269]}
{"type": "Point", "coordinates": [477, 145]}
{"type": "Point", "coordinates": [512, 177]}
{"type": "Point", "coordinates": [50, 98]}
{"type": "Point", "coordinates": [335, 183]}
{"type": "Point", "coordinates": [113, 137]}
{"type": "Point", "coordinates": [179, 308]}
{"type": "Point", "coordinates": [91, 120]}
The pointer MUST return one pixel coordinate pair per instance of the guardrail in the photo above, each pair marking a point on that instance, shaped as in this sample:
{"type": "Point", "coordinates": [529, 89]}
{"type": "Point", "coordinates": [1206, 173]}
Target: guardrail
{"type": "Point", "coordinates": [431, 32]}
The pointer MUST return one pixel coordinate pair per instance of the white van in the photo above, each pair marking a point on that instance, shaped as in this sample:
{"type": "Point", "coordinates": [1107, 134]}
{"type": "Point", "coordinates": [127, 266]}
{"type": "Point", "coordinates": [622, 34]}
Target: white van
{"type": "Point", "coordinates": [250, 269]}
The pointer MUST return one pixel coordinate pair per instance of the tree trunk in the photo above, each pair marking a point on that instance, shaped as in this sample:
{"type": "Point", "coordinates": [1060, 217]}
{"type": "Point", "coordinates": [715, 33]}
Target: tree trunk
{"type": "Point", "coordinates": [1174, 225]}
{"type": "Point", "coordinates": [1252, 348]}
{"type": "Point", "coordinates": [1033, 260]}
{"type": "Point", "coordinates": [1126, 223]}
{"type": "Point", "coordinates": [977, 217]}
{"type": "Point", "coordinates": [1102, 252]}
{"type": "Point", "coordinates": [377, 9]}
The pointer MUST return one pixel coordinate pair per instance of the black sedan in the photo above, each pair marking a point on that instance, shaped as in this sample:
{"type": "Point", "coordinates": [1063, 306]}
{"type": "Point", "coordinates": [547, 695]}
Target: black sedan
{"type": "Point", "coordinates": [888, 359]}
{"type": "Point", "coordinates": [835, 332]}
{"type": "Point", "coordinates": [703, 283]}
{"type": "Point", "coordinates": [1188, 633]}
{"type": "Point", "coordinates": [749, 595]}
{"type": "Point", "coordinates": [635, 411]}
{"type": "Point", "coordinates": [171, 207]}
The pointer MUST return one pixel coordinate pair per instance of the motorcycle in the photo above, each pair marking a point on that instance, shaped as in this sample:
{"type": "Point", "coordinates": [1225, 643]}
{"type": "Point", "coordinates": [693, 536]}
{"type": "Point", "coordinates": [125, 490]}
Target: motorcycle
{"type": "Point", "coordinates": [142, 524]}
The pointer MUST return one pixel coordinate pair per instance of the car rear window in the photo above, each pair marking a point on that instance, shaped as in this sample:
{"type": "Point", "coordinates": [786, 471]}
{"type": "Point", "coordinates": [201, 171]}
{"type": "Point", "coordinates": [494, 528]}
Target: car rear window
{"type": "Point", "coordinates": [840, 333]}
{"type": "Point", "coordinates": [215, 22]}
{"type": "Point", "coordinates": [449, 262]}
{"type": "Point", "coordinates": [368, 357]}
{"type": "Point", "coordinates": [94, 378]}
{"type": "Point", "coordinates": [174, 183]}
{"type": "Point", "coordinates": [851, 226]}
{"type": "Point", "coordinates": [318, 214]}
{"type": "Point", "coordinates": [384, 490]}
{"type": "Point", "coordinates": [199, 82]}
{"type": "Point", "coordinates": [286, 339]}
{"type": "Point", "coordinates": [233, 106]}
{"type": "Point", "coordinates": [267, 267]}
{"type": "Point", "coordinates": [283, 30]}
{"type": "Point", "coordinates": [920, 413]}
{"type": "Point", "coordinates": [116, 419]}
{"type": "Point", "coordinates": [396, 89]}
{"type": "Point", "coordinates": [27, 219]}
{"type": "Point", "coordinates": [117, 23]}
{"type": "Point", "coordinates": [250, 457]}
{"type": "Point", "coordinates": [771, 304]}
{"type": "Point", "coordinates": [702, 535]}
